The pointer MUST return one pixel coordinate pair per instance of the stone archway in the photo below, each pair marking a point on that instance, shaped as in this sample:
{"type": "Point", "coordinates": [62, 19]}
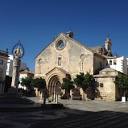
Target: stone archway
{"type": "Point", "coordinates": [54, 85]}
{"type": "Point", "coordinates": [54, 78]}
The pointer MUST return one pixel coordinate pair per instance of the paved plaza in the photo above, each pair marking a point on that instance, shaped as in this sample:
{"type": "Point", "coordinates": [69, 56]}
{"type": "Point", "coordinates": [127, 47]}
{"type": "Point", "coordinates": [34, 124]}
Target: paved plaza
{"type": "Point", "coordinates": [77, 114]}
{"type": "Point", "coordinates": [95, 106]}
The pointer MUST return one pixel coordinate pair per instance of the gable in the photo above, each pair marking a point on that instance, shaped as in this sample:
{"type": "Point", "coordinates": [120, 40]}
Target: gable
{"type": "Point", "coordinates": [68, 40]}
{"type": "Point", "coordinates": [56, 69]}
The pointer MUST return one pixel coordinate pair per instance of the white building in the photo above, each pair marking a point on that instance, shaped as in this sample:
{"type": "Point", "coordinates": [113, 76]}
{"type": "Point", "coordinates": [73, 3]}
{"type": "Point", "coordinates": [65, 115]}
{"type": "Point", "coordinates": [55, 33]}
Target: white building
{"type": "Point", "coordinates": [118, 63]}
{"type": "Point", "coordinates": [24, 74]}
{"type": "Point", "coordinates": [9, 66]}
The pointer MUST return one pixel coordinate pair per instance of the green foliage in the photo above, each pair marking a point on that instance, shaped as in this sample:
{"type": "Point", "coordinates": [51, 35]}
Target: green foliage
{"type": "Point", "coordinates": [122, 81]}
{"type": "Point", "coordinates": [84, 80]}
{"type": "Point", "coordinates": [79, 80]}
{"type": "Point", "coordinates": [40, 83]}
{"type": "Point", "coordinates": [27, 82]}
{"type": "Point", "coordinates": [67, 83]}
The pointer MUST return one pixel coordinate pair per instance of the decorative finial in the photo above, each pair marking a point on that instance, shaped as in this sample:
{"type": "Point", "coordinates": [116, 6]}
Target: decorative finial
{"type": "Point", "coordinates": [18, 50]}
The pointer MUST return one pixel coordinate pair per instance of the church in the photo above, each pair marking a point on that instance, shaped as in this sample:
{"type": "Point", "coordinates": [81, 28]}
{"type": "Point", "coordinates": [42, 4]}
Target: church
{"type": "Point", "coordinates": [65, 55]}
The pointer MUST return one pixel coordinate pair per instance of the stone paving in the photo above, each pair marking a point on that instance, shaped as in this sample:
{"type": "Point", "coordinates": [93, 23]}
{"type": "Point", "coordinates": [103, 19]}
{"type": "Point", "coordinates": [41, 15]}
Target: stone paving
{"type": "Point", "coordinates": [78, 114]}
{"type": "Point", "coordinates": [95, 106]}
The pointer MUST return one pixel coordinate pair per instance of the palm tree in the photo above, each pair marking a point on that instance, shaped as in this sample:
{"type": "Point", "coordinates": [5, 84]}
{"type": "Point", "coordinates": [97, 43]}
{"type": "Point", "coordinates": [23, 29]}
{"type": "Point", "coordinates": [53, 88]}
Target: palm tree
{"type": "Point", "coordinates": [67, 85]}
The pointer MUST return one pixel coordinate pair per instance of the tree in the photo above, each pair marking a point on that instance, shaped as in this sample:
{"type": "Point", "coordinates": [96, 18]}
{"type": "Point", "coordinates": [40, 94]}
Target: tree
{"type": "Point", "coordinates": [79, 80]}
{"type": "Point", "coordinates": [85, 81]}
{"type": "Point", "coordinates": [40, 83]}
{"type": "Point", "coordinates": [89, 81]}
{"type": "Point", "coordinates": [67, 85]}
{"type": "Point", "coordinates": [27, 82]}
{"type": "Point", "coordinates": [122, 82]}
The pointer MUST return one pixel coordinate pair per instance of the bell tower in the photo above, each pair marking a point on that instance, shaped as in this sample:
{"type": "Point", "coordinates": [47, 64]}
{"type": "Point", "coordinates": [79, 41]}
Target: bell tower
{"type": "Point", "coordinates": [108, 45]}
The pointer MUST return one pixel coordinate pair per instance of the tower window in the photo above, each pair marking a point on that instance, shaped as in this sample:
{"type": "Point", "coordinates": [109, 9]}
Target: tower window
{"type": "Point", "coordinates": [59, 61]}
{"type": "Point", "coordinates": [110, 62]}
{"type": "Point", "coordinates": [114, 62]}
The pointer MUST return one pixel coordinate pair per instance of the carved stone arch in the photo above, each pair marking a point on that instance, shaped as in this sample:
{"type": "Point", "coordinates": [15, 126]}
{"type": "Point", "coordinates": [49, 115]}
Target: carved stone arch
{"type": "Point", "coordinates": [54, 81]}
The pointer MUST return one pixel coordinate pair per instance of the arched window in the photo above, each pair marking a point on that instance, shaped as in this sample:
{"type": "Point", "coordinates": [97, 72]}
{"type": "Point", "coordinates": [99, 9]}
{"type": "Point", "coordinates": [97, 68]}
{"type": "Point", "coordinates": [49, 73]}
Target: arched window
{"type": "Point", "coordinates": [59, 61]}
{"type": "Point", "coordinates": [39, 66]}
{"type": "Point", "coordinates": [110, 62]}
{"type": "Point", "coordinates": [114, 62]}
{"type": "Point", "coordinates": [82, 57]}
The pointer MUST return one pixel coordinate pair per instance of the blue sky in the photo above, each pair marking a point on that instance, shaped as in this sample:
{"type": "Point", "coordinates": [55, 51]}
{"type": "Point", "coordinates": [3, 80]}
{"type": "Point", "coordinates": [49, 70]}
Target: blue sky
{"type": "Point", "coordinates": [37, 22]}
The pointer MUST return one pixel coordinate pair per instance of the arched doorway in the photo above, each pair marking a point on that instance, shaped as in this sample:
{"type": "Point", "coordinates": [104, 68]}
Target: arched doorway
{"type": "Point", "coordinates": [54, 86]}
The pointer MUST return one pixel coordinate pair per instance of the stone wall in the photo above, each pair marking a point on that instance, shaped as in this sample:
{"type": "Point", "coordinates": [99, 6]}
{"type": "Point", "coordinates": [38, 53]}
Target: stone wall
{"type": "Point", "coordinates": [105, 84]}
{"type": "Point", "coordinates": [70, 58]}
{"type": "Point", "coordinates": [100, 63]}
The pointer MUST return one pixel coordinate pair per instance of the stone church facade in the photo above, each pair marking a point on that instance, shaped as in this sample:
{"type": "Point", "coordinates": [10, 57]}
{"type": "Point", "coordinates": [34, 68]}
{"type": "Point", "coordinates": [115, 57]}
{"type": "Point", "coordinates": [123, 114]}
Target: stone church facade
{"type": "Point", "coordinates": [65, 55]}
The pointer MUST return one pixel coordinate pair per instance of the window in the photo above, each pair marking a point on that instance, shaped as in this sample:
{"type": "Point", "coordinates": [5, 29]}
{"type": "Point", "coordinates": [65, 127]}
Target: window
{"type": "Point", "coordinates": [114, 62]}
{"type": "Point", "coordinates": [39, 66]}
{"type": "Point", "coordinates": [101, 85]}
{"type": "Point", "coordinates": [110, 62]}
{"type": "Point", "coordinates": [39, 61]}
{"type": "Point", "coordinates": [59, 61]}
{"type": "Point", "coordinates": [81, 66]}
{"type": "Point", "coordinates": [60, 45]}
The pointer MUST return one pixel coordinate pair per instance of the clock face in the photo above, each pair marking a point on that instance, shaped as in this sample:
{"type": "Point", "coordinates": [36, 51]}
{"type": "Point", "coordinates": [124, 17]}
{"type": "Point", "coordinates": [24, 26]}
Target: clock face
{"type": "Point", "coordinates": [60, 44]}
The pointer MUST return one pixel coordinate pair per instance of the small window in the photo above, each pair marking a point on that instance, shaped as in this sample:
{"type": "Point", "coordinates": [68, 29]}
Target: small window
{"type": "Point", "coordinates": [59, 61]}
{"type": "Point", "coordinates": [101, 85]}
{"type": "Point", "coordinates": [110, 62]}
{"type": "Point", "coordinates": [39, 61]}
{"type": "Point", "coordinates": [114, 62]}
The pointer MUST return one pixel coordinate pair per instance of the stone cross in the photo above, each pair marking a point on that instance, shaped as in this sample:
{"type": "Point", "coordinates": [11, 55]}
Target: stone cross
{"type": "Point", "coordinates": [17, 54]}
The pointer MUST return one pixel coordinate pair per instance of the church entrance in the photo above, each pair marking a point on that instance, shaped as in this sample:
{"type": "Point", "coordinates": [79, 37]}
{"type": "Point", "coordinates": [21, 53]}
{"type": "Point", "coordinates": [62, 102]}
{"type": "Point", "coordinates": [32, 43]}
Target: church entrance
{"type": "Point", "coordinates": [54, 87]}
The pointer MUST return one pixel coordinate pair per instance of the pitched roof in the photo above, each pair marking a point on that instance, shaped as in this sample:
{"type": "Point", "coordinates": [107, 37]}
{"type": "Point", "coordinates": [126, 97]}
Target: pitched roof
{"type": "Point", "coordinates": [47, 45]}
{"type": "Point", "coordinates": [90, 49]}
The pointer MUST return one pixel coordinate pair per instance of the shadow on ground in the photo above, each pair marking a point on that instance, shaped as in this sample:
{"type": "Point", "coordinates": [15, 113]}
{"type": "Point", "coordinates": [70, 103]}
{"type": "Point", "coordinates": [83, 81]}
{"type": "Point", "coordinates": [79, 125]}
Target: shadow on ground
{"type": "Point", "coordinates": [86, 119]}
